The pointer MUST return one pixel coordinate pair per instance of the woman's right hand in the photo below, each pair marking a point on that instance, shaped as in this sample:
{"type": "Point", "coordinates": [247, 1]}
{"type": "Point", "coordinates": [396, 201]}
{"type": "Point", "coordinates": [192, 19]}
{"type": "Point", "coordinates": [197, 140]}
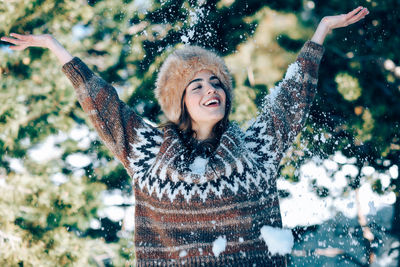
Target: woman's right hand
{"type": "Point", "coordinates": [22, 41]}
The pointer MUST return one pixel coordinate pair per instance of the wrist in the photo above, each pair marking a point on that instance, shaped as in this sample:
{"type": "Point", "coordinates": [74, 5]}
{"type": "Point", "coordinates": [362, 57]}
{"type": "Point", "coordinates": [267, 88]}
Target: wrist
{"type": "Point", "coordinates": [320, 33]}
{"type": "Point", "coordinates": [50, 42]}
{"type": "Point", "coordinates": [324, 27]}
{"type": "Point", "coordinates": [54, 46]}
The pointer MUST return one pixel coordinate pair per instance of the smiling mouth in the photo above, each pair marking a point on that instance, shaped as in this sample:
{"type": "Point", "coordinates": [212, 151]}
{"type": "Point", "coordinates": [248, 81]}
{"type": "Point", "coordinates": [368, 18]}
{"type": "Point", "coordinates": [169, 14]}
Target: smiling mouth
{"type": "Point", "coordinates": [212, 103]}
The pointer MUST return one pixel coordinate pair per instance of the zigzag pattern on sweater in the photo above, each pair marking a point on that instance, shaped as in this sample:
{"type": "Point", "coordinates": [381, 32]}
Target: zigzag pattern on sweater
{"type": "Point", "coordinates": [234, 166]}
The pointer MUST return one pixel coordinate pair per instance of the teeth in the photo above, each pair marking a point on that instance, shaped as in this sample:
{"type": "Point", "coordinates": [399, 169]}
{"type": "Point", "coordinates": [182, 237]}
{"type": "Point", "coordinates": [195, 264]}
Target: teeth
{"type": "Point", "coordinates": [212, 101]}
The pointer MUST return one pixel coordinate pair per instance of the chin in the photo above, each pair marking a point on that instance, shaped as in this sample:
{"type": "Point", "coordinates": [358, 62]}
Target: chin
{"type": "Point", "coordinates": [207, 118]}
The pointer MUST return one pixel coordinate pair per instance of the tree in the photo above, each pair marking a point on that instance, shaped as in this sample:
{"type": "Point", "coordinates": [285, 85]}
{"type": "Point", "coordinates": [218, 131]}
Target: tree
{"type": "Point", "coordinates": [122, 42]}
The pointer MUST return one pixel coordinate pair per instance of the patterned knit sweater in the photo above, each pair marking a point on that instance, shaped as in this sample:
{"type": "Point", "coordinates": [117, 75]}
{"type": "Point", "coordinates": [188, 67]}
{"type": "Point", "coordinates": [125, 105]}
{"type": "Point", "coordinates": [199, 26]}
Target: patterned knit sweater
{"type": "Point", "coordinates": [186, 204]}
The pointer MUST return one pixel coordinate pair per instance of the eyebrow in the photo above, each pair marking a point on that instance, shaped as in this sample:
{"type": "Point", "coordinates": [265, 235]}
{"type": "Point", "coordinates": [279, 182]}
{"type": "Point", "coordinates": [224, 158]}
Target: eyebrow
{"type": "Point", "coordinates": [200, 79]}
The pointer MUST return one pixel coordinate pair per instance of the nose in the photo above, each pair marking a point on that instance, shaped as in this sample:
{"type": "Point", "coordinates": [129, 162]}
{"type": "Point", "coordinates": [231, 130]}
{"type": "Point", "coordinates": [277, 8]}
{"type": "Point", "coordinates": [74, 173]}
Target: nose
{"type": "Point", "coordinates": [211, 89]}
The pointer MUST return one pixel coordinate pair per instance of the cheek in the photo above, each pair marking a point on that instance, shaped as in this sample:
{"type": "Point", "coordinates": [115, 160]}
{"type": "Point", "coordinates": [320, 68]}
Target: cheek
{"type": "Point", "coordinates": [191, 105]}
{"type": "Point", "coordinates": [193, 100]}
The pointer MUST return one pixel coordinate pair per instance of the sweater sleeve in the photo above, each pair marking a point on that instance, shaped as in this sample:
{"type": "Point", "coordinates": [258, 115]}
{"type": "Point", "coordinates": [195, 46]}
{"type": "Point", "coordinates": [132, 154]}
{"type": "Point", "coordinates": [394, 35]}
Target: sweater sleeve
{"type": "Point", "coordinates": [286, 108]}
{"type": "Point", "coordinates": [119, 127]}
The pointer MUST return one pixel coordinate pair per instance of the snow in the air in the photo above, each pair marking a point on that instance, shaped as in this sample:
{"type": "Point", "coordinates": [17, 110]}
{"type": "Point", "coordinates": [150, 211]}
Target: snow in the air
{"type": "Point", "coordinates": [219, 245]}
{"type": "Point", "coordinates": [199, 165]}
{"type": "Point", "coordinates": [185, 39]}
{"type": "Point", "coordinates": [195, 17]}
{"type": "Point", "coordinates": [279, 241]}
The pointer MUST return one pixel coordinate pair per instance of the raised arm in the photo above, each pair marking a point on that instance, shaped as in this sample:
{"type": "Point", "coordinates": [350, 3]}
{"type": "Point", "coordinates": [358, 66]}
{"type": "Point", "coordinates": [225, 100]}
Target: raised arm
{"type": "Point", "coordinates": [123, 132]}
{"type": "Point", "coordinates": [22, 41]}
{"type": "Point", "coordinates": [329, 23]}
{"type": "Point", "coordinates": [286, 108]}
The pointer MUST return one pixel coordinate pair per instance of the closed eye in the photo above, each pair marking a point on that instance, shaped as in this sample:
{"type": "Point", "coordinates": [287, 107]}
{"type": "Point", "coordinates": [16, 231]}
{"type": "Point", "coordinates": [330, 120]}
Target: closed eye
{"type": "Point", "coordinates": [219, 85]}
{"type": "Point", "coordinates": [217, 82]}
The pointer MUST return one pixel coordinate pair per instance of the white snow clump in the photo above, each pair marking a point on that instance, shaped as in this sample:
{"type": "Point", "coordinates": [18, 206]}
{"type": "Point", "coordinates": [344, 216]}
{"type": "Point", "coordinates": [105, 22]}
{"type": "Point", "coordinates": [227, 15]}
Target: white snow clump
{"type": "Point", "coordinates": [199, 165]}
{"type": "Point", "coordinates": [293, 71]}
{"type": "Point", "coordinates": [219, 245]}
{"type": "Point", "coordinates": [185, 39]}
{"type": "Point", "coordinates": [279, 241]}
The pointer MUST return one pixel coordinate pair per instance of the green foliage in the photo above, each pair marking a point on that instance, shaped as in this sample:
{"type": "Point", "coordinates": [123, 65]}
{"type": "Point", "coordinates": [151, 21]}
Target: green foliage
{"type": "Point", "coordinates": [348, 86]}
{"type": "Point", "coordinates": [40, 221]}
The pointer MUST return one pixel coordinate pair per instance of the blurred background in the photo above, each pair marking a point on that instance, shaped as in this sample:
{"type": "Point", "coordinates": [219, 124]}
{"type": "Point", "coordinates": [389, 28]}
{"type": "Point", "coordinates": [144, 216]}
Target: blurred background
{"type": "Point", "coordinates": [66, 201]}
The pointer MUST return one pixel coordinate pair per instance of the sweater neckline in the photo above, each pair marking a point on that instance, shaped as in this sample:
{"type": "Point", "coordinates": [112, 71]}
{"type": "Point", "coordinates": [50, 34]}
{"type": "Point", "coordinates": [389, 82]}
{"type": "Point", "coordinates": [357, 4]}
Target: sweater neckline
{"type": "Point", "coordinates": [232, 138]}
{"type": "Point", "coordinates": [200, 169]}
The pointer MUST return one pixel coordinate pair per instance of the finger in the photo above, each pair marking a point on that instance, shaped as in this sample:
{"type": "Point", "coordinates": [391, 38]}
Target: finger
{"type": "Point", "coordinates": [12, 40]}
{"type": "Point", "coordinates": [17, 47]}
{"type": "Point", "coordinates": [19, 36]}
{"type": "Point", "coordinates": [359, 16]}
{"type": "Point", "coordinates": [362, 12]}
{"type": "Point", "coordinates": [353, 12]}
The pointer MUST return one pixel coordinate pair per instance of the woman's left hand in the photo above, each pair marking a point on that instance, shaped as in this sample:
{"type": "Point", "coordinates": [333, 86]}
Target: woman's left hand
{"type": "Point", "coordinates": [344, 20]}
{"type": "Point", "coordinates": [329, 23]}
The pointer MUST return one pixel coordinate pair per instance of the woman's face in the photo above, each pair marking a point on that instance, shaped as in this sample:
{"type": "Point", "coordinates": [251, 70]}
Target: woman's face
{"type": "Point", "coordinates": [205, 99]}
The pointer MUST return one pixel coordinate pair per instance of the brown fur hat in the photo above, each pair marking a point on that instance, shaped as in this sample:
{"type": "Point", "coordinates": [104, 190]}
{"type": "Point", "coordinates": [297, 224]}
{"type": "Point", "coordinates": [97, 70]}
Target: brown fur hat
{"type": "Point", "coordinates": [179, 69]}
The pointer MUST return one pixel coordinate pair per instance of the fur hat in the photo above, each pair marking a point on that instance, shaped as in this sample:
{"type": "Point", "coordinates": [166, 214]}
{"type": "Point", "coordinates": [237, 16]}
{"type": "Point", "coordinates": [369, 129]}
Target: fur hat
{"type": "Point", "coordinates": [179, 69]}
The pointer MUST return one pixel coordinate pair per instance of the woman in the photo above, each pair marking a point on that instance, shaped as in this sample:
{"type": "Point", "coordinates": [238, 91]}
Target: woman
{"type": "Point", "coordinates": [203, 188]}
